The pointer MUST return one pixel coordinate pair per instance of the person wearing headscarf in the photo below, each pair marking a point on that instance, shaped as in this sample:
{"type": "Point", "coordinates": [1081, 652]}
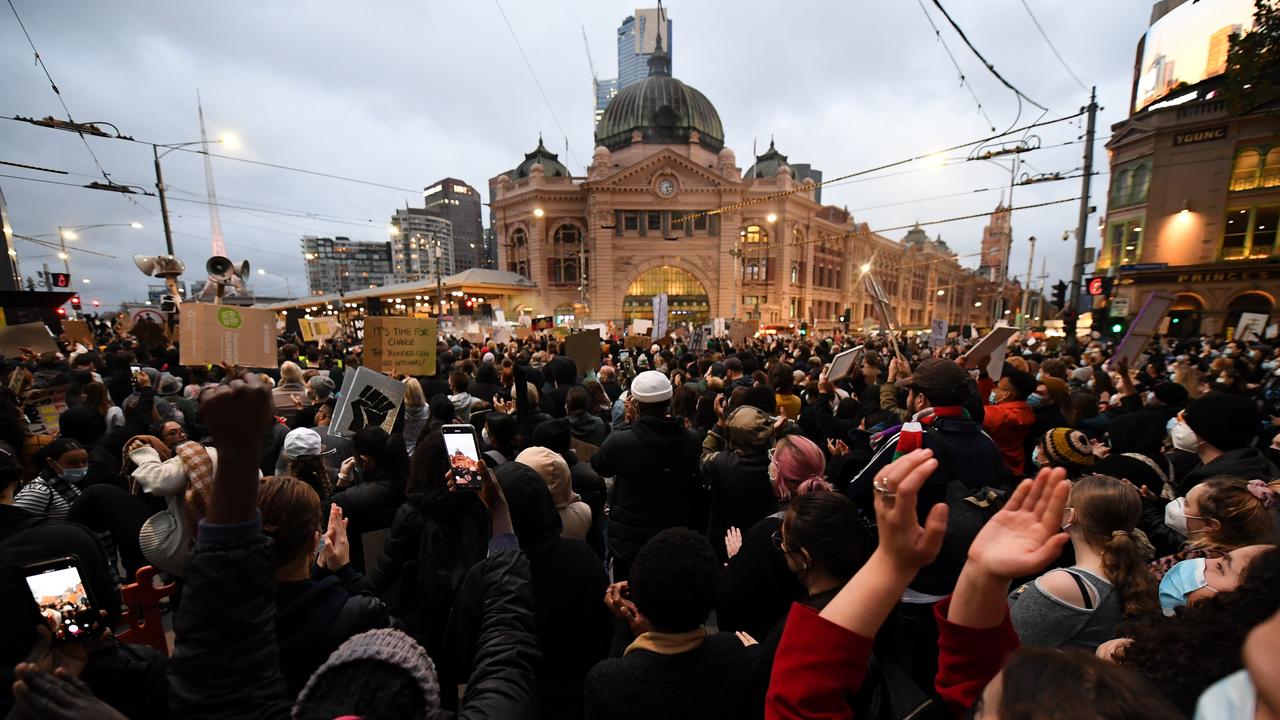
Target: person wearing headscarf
{"type": "Point", "coordinates": [575, 515]}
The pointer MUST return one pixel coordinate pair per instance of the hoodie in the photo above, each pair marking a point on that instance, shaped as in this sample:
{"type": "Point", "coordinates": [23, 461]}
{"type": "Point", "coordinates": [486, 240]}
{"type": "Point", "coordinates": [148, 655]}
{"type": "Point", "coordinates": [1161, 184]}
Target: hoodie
{"type": "Point", "coordinates": [1247, 462]}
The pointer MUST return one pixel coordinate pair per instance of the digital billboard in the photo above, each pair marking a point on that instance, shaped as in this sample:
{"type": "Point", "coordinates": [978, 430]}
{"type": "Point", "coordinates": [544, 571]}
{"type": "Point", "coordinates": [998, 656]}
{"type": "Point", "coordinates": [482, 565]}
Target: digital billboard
{"type": "Point", "coordinates": [1188, 45]}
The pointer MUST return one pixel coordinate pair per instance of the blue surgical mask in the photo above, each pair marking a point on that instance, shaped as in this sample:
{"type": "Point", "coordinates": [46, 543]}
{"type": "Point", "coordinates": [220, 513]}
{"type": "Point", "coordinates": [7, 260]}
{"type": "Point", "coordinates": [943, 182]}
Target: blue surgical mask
{"type": "Point", "coordinates": [1037, 457]}
{"type": "Point", "coordinates": [1182, 579]}
{"type": "Point", "coordinates": [73, 475]}
{"type": "Point", "coordinates": [1234, 696]}
{"type": "Point", "coordinates": [1035, 399]}
{"type": "Point", "coordinates": [991, 399]}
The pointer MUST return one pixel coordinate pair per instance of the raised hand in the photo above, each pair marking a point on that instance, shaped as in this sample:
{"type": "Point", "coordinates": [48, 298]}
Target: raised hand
{"type": "Point", "coordinates": [236, 415]}
{"type": "Point", "coordinates": [1026, 535]}
{"type": "Point", "coordinates": [615, 598]}
{"type": "Point", "coordinates": [901, 536]}
{"type": "Point", "coordinates": [336, 552]}
{"type": "Point", "coordinates": [56, 696]}
{"type": "Point", "coordinates": [370, 409]}
{"type": "Point", "coordinates": [733, 541]}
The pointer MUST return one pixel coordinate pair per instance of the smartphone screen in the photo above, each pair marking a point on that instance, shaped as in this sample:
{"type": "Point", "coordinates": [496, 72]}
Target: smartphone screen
{"type": "Point", "coordinates": [464, 456]}
{"type": "Point", "coordinates": [62, 598]}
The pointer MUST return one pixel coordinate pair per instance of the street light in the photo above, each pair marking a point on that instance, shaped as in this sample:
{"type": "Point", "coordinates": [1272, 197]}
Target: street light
{"type": "Point", "coordinates": [977, 303]}
{"type": "Point", "coordinates": [771, 217]}
{"type": "Point", "coordinates": [866, 267]}
{"type": "Point", "coordinates": [287, 287]}
{"type": "Point", "coordinates": [538, 212]}
{"type": "Point", "coordinates": [164, 203]}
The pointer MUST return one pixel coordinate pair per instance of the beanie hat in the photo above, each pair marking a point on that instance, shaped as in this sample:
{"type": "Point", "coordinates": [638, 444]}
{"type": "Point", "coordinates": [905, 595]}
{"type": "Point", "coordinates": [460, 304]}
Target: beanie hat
{"type": "Point", "coordinates": [1068, 448]}
{"type": "Point", "coordinates": [1171, 393]}
{"type": "Point", "coordinates": [388, 646]}
{"type": "Point", "coordinates": [1082, 374]}
{"type": "Point", "coordinates": [1058, 391]}
{"type": "Point", "coordinates": [651, 386]}
{"type": "Point", "coordinates": [1224, 420]}
{"type": "Point", "coordinates": [942, 381]}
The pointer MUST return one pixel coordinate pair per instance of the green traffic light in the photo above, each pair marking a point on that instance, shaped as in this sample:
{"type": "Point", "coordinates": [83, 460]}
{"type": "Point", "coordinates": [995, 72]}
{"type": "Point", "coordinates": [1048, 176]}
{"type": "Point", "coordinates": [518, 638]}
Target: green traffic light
{"type": "Point", "coordinates": [1117, 328]}
{"type": "Point", "coordinates": [1176, 320]}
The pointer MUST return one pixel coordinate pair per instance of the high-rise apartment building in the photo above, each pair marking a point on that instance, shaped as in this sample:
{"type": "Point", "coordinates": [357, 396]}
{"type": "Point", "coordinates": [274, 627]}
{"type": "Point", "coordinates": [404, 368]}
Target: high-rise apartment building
{"type": "Point", "coordinates": [637, 39]}
{"type": "Point", "coordinates": [605, 90]}
{"type": "Point", "coordinates": [413, 247]}
{"type": "Point", "coordinates": [459, 203]}
{"type": "Point", "coordinates": [1219, 48]}
{"type": "Point", "coordinates": [340, 264]}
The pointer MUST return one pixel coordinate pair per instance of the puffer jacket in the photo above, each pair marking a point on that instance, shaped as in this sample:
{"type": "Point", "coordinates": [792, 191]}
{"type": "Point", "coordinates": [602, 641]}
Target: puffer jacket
{"type": "Point", "coordinates": [316, 615]}
{"type": "Point", "coordinates": [226, 661]}
{"type": "Point", "coordinates": [654, 463]}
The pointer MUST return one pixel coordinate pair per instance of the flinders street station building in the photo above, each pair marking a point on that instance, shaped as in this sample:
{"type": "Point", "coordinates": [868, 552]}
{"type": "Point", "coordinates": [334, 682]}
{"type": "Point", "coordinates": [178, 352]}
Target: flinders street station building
{"type": "Point", "coordinates": [640, 223]}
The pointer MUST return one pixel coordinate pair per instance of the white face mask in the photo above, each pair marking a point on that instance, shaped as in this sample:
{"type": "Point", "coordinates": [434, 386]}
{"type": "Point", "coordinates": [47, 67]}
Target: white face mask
{"type": "Point", "coordinates": [1184, 438]}
{"type": "Point", "coordinates": [1175, 516]}
{"type": "Point", "coordinates": [1234, 696]}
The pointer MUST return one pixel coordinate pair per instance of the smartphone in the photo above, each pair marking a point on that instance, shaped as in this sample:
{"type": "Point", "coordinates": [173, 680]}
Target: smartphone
{"type": "Point", "coordinates": [464, 456]}
{"type": "Point", "coordinates": [133, 373]}
{"type": "Point", "coordinates": [62, 598]}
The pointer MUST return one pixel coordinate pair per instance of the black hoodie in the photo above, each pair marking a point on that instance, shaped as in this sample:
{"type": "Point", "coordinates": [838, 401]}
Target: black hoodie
{"type": "Point", "coordinates": [315, 616]}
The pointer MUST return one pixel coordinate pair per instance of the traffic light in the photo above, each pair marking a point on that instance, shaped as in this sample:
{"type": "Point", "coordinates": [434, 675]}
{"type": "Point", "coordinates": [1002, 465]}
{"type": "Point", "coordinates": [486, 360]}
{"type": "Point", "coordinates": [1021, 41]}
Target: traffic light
{"type": "Point", "coordinates": [60, 280]}
{"type": "Point", "coordinates": [1060, 294]}
{"type": "Point", "coordinates": [1100, 286]}
{"type": "Point", "coordinates": [847, 315]}
{"type": "Point", "coordinates": [804, 328]}
{"type": "Point", "coordinates": [62, 312]}
{"type": "Point", "coordinates": [1116, 327]}
{"type": "Point", "coordinates": [75, 301]}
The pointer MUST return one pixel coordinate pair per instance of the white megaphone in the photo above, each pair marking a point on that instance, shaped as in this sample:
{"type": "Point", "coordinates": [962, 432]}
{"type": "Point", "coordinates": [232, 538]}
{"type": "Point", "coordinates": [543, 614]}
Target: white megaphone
{"type": "Point", "coordinates": [161, 266]}
{"type": "Point", "coordinates": [222, 272]}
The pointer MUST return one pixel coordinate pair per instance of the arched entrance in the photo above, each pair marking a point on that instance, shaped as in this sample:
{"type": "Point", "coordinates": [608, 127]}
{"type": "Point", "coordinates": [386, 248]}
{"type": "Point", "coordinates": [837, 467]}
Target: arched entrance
{"type": "Point", "coordinates": [1185, 316]}
{"type": "Point", "coordinates": [687, 300]}
{"type": "Point", "coordinates": [1251, 302]}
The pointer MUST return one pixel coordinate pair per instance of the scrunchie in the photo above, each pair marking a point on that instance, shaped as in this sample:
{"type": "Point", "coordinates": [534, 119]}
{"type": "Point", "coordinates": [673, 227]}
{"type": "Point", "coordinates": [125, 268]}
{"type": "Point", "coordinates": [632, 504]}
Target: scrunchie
{"type": "Point", "coordinates": [1116, 533]}
{"type": "Point", "coordinates": [1265, 495]}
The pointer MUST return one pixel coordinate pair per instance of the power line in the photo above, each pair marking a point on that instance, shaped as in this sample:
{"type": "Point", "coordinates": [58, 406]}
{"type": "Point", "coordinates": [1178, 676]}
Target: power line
{"type": "Point", "coordinates": [976, 215]}
{"type": "Point", "coordinates": [990, 67]}
{"type": "Point", "coordinates": [963, 81]}
{"type": "Point", "coordinates": [40, 61]}
{"type": "Point", "coordinates": [1049, 42]}
{"type": "Point", "coordinates": [536, 82]}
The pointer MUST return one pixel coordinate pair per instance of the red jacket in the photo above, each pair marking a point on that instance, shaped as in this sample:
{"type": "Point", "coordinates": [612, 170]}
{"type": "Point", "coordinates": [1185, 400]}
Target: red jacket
{"type": "Point", "coordinates": [820, 665]}
{"type": "Point", "coordinates": [1008, 424]}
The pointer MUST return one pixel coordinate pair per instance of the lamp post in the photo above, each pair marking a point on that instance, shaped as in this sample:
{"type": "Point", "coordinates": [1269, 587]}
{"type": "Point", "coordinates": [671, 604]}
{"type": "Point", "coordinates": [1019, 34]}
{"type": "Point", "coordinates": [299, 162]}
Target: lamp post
{"type": "Point", "coordinates": [164, 205]}
{"type": "Point", "coordinates": [439, 253]}
{"type": "Point", "coordinates": [70, 232]}
{"type": "Point", "coordinates": [287, 287]}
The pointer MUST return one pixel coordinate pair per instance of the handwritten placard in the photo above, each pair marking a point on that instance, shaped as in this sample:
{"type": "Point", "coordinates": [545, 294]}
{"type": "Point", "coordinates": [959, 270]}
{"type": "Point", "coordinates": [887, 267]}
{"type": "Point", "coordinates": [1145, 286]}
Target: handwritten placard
{"type": "Point", "coordinates": [401, 345]}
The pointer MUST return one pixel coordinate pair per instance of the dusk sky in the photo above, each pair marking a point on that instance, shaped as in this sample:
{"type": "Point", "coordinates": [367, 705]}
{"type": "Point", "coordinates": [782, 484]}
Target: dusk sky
{"type": "Point", "coordinates": [405, 93]}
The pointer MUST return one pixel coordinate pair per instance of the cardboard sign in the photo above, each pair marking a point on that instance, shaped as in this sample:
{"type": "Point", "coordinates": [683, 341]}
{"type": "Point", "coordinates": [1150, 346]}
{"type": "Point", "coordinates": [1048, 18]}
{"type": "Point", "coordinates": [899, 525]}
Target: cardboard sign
{"type": "Point", "coordinates": [369, 399]}
{"type": "Point", "coordinates": [78, 331]}
{"type": "Point", "coordinates": [584, 349]}
{"type": "Point", "coordinates": [43, 407]}
{"type": "Point", "coordinates": [741, 330]}
{"type": "Point", "coordinates": [1154, 308]}
{"type": "Point", "coordinates": [543, 323]}
{"type": "Point", "coordinates": [641, 342]}
{"type": "Point", "coordinates": [401, 345]}
{"type": "Point", "coordinates": [660, 315]}
{"type": "Point", "coordinates": [33, 336]}
{"type": "Point", "coordinates": [523, 333]}
{"type": "Point", "coordinates": [641, 326]}
{"type": "Point", "coordinates": [149, 334]}
{"type": "Point", "coordinates": [1250, 326]}
{"type": "Point", "coordinates": [937, 334]}
{"type": "Point", "coordinates": [317, 329]}
{"type": "Point", "coordinates": [842, 364]}
{"type": "Point", "coordinates": [994, 345]}
{"type": "Point", "coordinates": [212, 334]}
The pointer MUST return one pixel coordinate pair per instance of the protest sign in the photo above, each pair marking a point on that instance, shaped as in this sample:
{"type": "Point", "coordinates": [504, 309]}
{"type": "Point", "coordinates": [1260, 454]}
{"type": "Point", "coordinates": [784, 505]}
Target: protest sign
{"type": "Point", "coordinates": [523, 333]}
{"type": "Point", "coordinates": [370, 399]}
{"type": "Point", "coordinates": [937, 334]}
{"type": "Point", "coordinates": [742, 330]}
{"type": "Point", "coordinates": [1250, 326]}
{"type": "Point", "coordinates": [501, 335]}
{"type": "Point", "coordinates": [637, 341]}
{"type": "Point", "coordinates": [600, 328]}
{"type": "Point", "coordinates": [641, 326]}
{"type": "Point", "coordinates": [543, 323]}
{"type": "Point", "coordinates": [150, 334]}
{"type": "Point", "coordinates": [1154, 308]}
{"type": "Point", "coordinates": [660, 315]}
{"type": "Point", "coordinates": [584, 349]}
{"type": "Point", "coordinates": [213, 334]}
{"type": "Point", "coordinates": [316, 329]}
{"type": "Point", "coordinates": [994, 345]}
{"type": "Point", "coordinates": [78, 331]}
{"type": "Point", "coordinates": [842, 364]}
{"type": "Point", "coordinates": [33, 335]}
{"type": "Point", "coordinates": [400, 344]}
{"type": "Point", "coordinates": [43, 407]}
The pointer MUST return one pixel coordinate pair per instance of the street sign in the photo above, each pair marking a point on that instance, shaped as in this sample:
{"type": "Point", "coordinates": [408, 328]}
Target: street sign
{"type": "Point", "coordinates": [1119, 307]}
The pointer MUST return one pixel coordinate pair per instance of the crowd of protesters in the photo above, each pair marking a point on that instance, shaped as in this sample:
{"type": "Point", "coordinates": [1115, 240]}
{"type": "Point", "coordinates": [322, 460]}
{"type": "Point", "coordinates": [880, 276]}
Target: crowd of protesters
{"type": "Point", "coordinates": [689, 530]}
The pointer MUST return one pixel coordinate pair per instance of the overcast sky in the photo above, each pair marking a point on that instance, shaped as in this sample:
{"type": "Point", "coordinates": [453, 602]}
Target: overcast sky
{"type": "Point", "coordinates": [404, 93]}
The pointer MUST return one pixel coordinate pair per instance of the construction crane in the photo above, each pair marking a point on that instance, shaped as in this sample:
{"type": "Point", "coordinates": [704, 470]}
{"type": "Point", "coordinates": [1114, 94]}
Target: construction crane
{"type": "Point", "coordinates": [595, 77]}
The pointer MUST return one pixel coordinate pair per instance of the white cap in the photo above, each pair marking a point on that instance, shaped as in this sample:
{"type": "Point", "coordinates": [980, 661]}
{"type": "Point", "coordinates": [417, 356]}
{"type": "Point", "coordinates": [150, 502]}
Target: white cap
{"type": "Point", "coordinates": [651, 386]}
{"type": "Point", "coordinates": [302, 442]}
{"type": "Point", "coordinates": [655, 348]}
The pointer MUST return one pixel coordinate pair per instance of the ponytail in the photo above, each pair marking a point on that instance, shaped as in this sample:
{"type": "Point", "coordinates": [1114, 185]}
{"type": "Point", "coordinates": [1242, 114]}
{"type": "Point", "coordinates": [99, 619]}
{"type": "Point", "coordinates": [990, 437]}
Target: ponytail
{"type": "Point", "coordinates": [1107, 511]}
{"type": "Point", "coordinates": [1124, 560]}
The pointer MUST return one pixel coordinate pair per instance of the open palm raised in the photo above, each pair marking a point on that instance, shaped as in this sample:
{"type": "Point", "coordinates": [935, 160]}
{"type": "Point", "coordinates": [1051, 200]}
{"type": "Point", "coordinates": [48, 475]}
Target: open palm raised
{"type": "Point", "coordinates": [1026, 535]}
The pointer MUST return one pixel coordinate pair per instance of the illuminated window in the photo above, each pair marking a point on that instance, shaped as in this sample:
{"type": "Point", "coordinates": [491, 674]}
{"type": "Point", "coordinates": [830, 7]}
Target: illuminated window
{"type": "Point", "coordinates": [461, 189]}
{"type": "Point", "coordinates": [1246, 169]}
{"type": "Point", "coordinates": [754, 234]}
{"type": "Point", "coordinates": [1123, 243]}
{"type": "Point", "coordinates": [1250, 233]}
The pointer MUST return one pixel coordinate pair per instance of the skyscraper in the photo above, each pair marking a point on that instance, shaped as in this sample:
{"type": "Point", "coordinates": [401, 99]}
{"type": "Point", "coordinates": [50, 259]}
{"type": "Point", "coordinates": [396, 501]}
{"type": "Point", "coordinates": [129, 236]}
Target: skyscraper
{"type": "Point", "coordinates": [637, 38]}
{"type": "Point", "coordinates": [413, 247]}
{"type": "Point", "coordinates": [459, 203]}
{"type": "Point", "coordinates": [340, 264]}
{"type": "Point", "coordinates": [605, 90]}
{"type": "Point", "coordinates": [1219, 47]}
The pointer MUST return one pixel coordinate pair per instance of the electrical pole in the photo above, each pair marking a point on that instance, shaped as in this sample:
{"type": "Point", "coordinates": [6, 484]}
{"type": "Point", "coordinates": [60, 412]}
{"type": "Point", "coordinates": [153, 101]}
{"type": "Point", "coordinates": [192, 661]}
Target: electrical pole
{"type": "Point", "coordinates": [439, 281]}
{"type": "Point", "coordinates": [1077, 270]}
{"type": "Point", "coordinates": [66, 258]}
{"type": "Point", "coordinates": [164, 206]}
{"type": "Point", "coordinates": [1026, 288]}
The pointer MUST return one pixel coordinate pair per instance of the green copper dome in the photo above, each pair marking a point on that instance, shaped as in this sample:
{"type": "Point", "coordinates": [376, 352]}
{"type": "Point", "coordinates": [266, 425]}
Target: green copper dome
{"type": "Point", "coordinates": [551, 165]}
{"type": "Point", "coordinates": [662, 109]}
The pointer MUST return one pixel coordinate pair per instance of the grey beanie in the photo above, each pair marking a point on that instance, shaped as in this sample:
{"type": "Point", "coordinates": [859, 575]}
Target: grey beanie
{"type": "Point", "coordinates": [392, 647]}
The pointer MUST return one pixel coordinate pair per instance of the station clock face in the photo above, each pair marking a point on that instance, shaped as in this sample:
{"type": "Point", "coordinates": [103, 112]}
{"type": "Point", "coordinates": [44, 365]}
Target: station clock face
{"type": "Point", "coordinates": [666, 187]}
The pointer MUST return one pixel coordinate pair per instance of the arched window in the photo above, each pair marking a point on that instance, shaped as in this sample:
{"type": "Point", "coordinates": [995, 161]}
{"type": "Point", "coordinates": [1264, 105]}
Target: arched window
{"type": "Point", "coordinates": [1270, 176]}
{"type": "Point", "coordinates": [753, 234]}
{"type": "Point", "coordinates": [1121, 186]}
{"type": "Point", "coordinates": [518, 252]}
{"type": "Point", "coordinates": [795, 273]}
{"type": "Point", "coordinates": [1244, 172]}
{"type": "Point", "coordinates": [755, 252]}
{"type": "Point", "coordinates": [1141, 179]}
{"type": "Point", "coordinates": [753, 270]}
{"type": "Point", "coordinates": [563, 260]}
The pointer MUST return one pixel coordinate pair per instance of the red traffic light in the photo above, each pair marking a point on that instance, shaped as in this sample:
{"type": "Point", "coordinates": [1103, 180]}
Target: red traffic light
{"type": "Point", "coordinates": [1095, 286]}
{"type": "Point", "coordinates": [62, 312]}
{"type": "Point", "coordinates": [60, 280]}
{"type": "Point", "coordinates": [75, 301]}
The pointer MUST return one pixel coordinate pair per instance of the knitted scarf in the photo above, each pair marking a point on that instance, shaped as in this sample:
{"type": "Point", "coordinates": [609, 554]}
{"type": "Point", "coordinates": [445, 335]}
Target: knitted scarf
{"type": "Point", "coordinates": [911, 436]}
{"type": "Point", "coordinates": [668, 643]}
{"type": "Point", "coordinates": [199, 467]}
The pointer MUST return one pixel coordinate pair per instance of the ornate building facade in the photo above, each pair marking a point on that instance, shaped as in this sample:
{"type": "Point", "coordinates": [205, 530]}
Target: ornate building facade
{"type": "Point", "coordinates": [664, 208]}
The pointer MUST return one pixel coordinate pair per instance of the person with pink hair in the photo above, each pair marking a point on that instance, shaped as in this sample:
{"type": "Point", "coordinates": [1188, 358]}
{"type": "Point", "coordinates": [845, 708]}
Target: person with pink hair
{"type": "Point", "coordinates": [757, 587]}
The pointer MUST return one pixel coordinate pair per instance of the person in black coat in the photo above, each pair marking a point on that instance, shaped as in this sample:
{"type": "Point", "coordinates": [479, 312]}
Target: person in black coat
{"type": "Point", "coordinates": [563, 373]}
{"type": "Point", "coordinates": [370, 484]}
{"type": "Point", "coordinates": [316, 610]}
{"type": "Point", "coordinates": [654, 463]}
{"type": "Point", "coordinates": [673, 669]}
{"type": "Point", "coordinates": [574, 628]}
{"type": "Point", "coordinates": [741, 493]}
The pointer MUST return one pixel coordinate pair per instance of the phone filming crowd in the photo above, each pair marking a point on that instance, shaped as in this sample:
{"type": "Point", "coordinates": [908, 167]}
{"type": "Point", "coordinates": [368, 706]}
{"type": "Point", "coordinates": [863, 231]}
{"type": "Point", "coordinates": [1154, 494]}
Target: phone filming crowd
{"type": "Point", "coordinates": [818, 526]}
